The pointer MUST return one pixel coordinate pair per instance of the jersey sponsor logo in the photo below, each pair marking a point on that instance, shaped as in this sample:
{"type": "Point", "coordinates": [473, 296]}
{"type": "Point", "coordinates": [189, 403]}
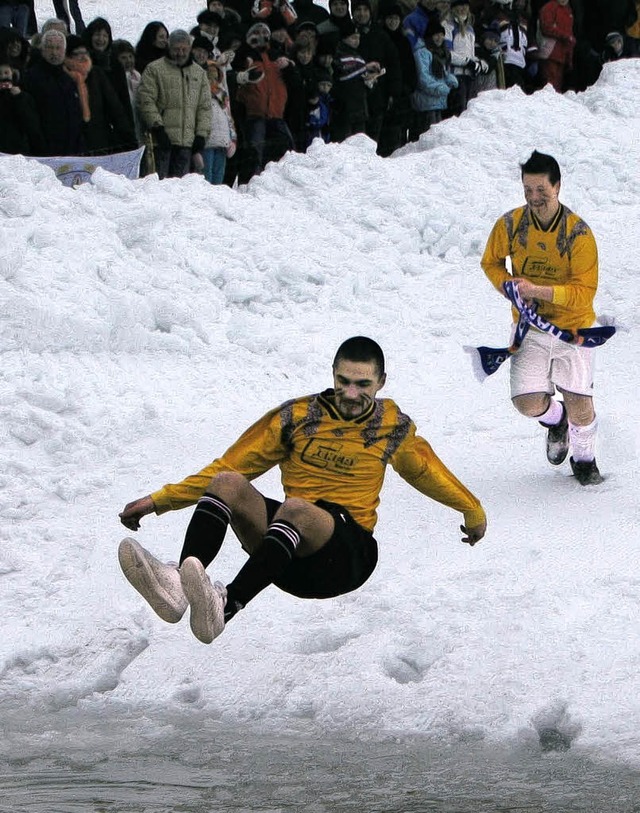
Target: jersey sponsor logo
{"type": "Point", "coordinates": [539, 268]}
{"type": "Point", "coordinates": [324, 454]}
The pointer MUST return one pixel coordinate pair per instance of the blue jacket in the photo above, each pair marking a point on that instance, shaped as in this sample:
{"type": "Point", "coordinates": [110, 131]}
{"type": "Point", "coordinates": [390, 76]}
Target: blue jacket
{"type": "Point", "coordinates": [431, 93]}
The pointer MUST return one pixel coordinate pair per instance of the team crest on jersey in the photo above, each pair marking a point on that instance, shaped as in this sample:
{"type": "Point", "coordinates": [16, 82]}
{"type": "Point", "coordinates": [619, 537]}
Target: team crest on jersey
{"type": "Point", "coordinates": [324, 454]}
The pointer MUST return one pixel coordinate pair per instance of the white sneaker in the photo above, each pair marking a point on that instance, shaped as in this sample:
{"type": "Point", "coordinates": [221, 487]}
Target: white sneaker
{"type": "Point", "coordinates": [158, 583]}
{"type": "Point", "coordinates": [207, 600]}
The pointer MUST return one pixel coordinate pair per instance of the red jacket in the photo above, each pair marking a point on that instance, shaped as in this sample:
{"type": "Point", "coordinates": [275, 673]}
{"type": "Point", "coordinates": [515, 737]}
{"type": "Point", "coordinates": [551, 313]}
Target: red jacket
{"type": "Point", "coordinates": [267, 98]}
{"type": "Point", "coordinates": [556, 21]}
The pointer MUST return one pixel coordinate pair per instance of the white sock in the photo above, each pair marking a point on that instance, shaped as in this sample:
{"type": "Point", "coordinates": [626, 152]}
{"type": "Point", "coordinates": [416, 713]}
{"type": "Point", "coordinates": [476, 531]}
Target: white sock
{"type": "Point", "coordinates": [583, 441]}
{"type": "Point", "coordinates": [553, 415]}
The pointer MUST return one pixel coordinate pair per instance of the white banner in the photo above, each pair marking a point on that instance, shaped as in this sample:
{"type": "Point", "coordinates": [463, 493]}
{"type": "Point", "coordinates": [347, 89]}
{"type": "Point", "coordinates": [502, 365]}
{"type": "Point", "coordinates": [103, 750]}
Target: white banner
{"type": "Point", "coordinates": [73, 170]}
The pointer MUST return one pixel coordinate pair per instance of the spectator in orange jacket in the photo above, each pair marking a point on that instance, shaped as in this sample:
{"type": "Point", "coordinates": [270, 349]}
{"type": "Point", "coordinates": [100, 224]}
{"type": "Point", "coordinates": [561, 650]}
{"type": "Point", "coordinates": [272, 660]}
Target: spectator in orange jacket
{"type": "Point", "coordinates": [262, 90]}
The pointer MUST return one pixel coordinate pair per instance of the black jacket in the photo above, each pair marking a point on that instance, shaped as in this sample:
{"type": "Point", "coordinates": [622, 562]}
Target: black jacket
{"type": "Point", "coordinates": [58, 105]}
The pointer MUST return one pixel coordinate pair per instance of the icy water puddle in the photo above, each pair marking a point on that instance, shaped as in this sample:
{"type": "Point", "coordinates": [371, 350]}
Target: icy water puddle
{"type": "Point", "coordinates": [105, 766]}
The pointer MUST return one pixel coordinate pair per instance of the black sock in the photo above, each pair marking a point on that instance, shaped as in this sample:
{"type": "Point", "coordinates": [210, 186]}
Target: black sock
{"type": "Point", "coordinates": [265, 565]}
{"type": "Point", "coordinates": [206, 530]}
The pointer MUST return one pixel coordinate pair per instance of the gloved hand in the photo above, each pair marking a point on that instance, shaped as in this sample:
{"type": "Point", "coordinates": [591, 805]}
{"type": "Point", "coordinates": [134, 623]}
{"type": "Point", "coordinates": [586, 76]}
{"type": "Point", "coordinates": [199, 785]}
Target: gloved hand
{"type": "Point", "coordinates": [252, 75]}
{"type": "Point", "coordinates": [198, 144]}
{"type": "Point", "coordinates": [161, 138]}
{"type": "Point", "coordinates": [473, 65]}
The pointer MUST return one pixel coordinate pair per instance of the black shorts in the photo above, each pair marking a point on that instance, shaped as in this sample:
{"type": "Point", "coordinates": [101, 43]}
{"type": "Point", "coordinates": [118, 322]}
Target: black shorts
{"type": "Point", "coordinates": [343, 564]}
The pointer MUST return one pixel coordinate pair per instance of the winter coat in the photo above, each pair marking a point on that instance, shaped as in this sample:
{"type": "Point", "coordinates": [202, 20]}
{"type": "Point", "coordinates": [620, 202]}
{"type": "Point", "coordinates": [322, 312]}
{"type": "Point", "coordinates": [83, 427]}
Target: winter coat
{"type": "Point", "coordinates": [556, 22]}
{"type": "Point", "coordinates": [56, 98]}
{"type": "Point", "coordinates": [513, 39]}
{"type": "Point", "coordinates": [178, 99]}
{"type": "Point", "coordinates": [462, 46]}
{"type": "Point", "coordinates": [267, 98]}
{"type": "Point", "coordinates": [431, 93]}
{"type": "Point", "coordinates": [376, 46]}
{"type": "Point", "coordinates": [110, 128]}
{"type": "Point", "coordinates": [349, 89]}
{"type": "Point", "coordinates": [21, 131]}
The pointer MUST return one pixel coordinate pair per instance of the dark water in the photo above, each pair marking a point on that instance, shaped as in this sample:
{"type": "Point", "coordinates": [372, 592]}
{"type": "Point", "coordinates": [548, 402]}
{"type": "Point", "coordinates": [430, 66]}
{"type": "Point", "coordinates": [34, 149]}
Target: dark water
{"type": "Point", "coordinates": [100, 765]}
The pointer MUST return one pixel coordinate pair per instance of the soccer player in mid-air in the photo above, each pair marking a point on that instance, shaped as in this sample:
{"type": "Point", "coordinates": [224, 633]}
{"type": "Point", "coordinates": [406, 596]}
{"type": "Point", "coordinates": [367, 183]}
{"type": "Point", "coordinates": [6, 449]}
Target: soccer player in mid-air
{"type": "Point", "coordinates": [332, 449]}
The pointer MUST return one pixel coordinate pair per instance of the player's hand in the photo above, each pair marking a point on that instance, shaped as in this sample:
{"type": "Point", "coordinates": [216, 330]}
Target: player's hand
{"type": "Point", "coordinates": [133, 512]}
{"type": "Point", "coordinates": [474, 534]}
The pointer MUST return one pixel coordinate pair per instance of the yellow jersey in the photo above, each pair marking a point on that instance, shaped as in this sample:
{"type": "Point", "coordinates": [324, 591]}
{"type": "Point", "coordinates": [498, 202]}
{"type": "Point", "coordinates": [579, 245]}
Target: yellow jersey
{"type": "Point", "coordinates": [322, 456]}
{"type": "Point", "coordinates": [564, 256]}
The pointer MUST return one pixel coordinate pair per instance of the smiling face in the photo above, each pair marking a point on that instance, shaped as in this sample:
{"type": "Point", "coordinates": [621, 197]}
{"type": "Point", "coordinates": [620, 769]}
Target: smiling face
{"type": "Point", "coordinates": [355, 384]}
{"type": "Point", "coordinates": [541, 196]}
{"type": "Point", "coordinates": [100, 40]}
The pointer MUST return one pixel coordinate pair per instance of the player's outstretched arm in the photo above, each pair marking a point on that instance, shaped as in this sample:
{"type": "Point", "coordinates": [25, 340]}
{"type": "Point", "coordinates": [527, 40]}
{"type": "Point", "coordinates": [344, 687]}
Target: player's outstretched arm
{"type": "Point", "coordinates": [474, 534]}
{"type": "Point", "coordinates": [133, 512]}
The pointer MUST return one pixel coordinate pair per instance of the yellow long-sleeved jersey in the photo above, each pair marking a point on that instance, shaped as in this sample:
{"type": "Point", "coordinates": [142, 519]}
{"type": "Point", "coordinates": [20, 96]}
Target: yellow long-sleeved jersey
{"type": "Point", "coordinates": [564, 256]}
{"type": "Point", "coordinates": [322, 456]}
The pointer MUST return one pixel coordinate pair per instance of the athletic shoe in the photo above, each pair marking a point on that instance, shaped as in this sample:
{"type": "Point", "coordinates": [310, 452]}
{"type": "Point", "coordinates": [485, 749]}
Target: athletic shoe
{"type": "Point", "coordinates": [586, 472]}
{"type": "Point", "coordinates": [558, 440]}
{"type": "Point", "coordinates": [207, 601]}
{"type": "Point", "coordinates": [158, 583]}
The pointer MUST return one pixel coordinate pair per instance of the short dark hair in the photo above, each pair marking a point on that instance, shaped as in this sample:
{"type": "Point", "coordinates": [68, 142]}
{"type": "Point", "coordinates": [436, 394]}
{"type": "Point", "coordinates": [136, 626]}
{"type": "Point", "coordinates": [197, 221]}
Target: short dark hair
{"type": "Point", "coordinates": [363, 349]}
{"type": "Point", "coordinates": [539, 163]}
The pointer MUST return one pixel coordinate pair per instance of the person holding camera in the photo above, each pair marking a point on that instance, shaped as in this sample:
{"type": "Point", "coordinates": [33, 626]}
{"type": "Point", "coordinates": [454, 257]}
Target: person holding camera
{"type": "Point", "coordinates": [21, 132]}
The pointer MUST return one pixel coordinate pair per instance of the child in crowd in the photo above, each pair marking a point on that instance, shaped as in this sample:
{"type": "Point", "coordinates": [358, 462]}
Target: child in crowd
{"type": "Point", "coordinates": [320, 105]}
{"type": "Point", "coordinates": [489, 52]}
{"type": "Point", "coordinates": [222, 140]}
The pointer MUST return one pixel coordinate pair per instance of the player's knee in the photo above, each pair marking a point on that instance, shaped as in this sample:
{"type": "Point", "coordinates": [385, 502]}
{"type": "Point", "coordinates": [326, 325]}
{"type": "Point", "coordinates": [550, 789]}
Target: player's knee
{"type": "Point", "coordinates": [293, 509]}
{"type": "Point", "coordinates": [227, 483]}
{"type": "Point", "coordinates": [531, 405]}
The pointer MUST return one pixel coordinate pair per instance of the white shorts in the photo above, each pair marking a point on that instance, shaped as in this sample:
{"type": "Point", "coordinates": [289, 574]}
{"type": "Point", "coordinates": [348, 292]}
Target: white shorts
{"type": "Point", "coordinates": [543, 363]}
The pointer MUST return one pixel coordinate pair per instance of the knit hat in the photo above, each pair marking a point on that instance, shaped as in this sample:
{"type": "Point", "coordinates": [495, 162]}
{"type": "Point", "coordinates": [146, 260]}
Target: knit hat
{"type": "Point", "coordinates": [323, 75]}
{"type": "Point", "coordinates": [613, 35]}
{"type": "Point", "coordinates": [262, 29]}
{"type": "Point", "coordinates": [434, 27]}
{"type": "Point", "coordinates": [306, 25]}
{"type": "Point", "coordinates": [277, 22]}
{"type": "Point", "coordinates": [209, 18]}
{"type": "Point", "coordinates": [356, 3]}
{"type": "Point", "coordinates": [393, 11]}
{"type": "Point", "coordinates": [73, 42]}
{"type": "Point", "coordinates": [347, 28]}
{"type": "Point", "coordinates": [491, 33]}
{"type": "Point", "coordinates": [204, 43]}
{"type": "Point", "coordinates": [455, 3]}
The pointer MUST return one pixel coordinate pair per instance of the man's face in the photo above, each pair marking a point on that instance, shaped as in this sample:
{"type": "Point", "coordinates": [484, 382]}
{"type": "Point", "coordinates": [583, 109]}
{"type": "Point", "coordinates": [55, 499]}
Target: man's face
{"type": "Point", "coordinates": [339, 8]}
{"type": "Point", "coordinates": [53, 50]}
{"type": "Point", "coordinates": [541, 195]}
{"type": "Point", "coordinates": [355, 384]}
{"type": "Point", "coordinates": [362, 15]}
{"type": "Point", "coordinates": [217, 6]}
{"type": "Point", "coordinates": [179, 52]}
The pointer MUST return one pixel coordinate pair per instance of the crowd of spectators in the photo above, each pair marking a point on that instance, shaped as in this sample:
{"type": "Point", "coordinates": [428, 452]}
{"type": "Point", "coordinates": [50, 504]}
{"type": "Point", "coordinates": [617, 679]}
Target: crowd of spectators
{"type": "Point", "coordinates": [248, 80]}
